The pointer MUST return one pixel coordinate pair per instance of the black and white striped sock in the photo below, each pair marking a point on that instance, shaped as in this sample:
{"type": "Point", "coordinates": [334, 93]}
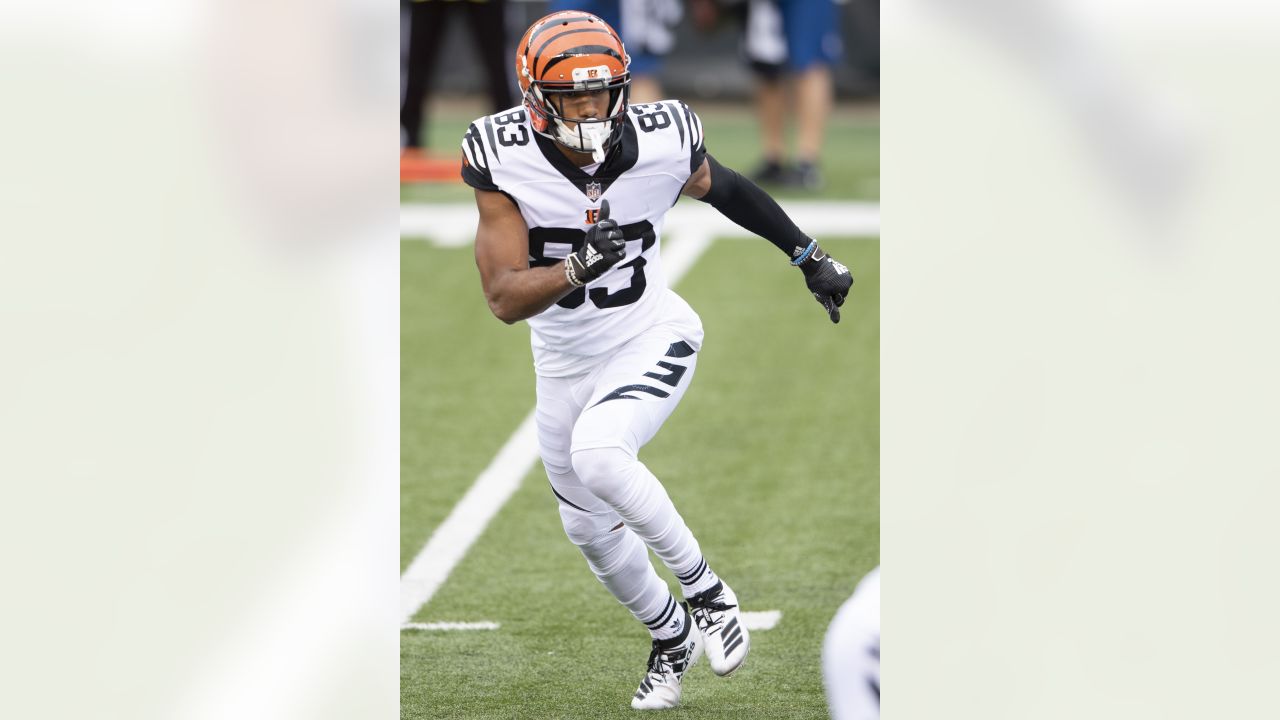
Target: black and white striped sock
{"type": "Point", "coordinates": [671, 624]}
{"type": "Point", "coordinates": [698, 579]}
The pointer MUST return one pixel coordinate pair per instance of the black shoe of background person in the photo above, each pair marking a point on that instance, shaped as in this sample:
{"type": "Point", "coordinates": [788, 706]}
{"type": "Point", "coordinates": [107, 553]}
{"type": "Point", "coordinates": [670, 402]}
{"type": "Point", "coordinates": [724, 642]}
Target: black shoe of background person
{"type": "Point", "coordinates": [771, 172]}
{"type": "Point", "coordinates": [805, 176]}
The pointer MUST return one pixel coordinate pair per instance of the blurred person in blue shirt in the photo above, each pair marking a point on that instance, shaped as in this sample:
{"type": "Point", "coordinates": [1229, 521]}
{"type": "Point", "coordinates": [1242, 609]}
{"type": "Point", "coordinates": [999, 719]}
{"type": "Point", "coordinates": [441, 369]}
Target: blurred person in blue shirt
{"type": "Point", "coordinates": [787, 43]}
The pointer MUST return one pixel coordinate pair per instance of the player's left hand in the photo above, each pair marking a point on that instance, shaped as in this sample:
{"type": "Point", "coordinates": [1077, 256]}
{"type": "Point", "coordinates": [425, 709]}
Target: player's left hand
{"type": "Point", "coordinates": [828, 280]}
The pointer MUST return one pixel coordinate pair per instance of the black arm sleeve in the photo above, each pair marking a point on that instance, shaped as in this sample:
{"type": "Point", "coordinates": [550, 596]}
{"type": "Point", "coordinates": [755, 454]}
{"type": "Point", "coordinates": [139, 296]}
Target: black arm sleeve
{"type": "Point", "coordinates": [743, 202]}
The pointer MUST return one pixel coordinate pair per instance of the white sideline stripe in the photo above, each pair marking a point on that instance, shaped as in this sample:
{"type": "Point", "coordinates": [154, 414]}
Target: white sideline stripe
{"type": "Point", "coordinates": [491, 490]}
{"type": "Point", "coordinates": [482, 625]}
{"type": "Point", "coordinates": [469, 517]}
{"type": "Point", "coordinates": [761, 619]}
{"type": "Point", "coordinates": [454, 224]}
{"type": "Point", "coordinates": [757, 620]}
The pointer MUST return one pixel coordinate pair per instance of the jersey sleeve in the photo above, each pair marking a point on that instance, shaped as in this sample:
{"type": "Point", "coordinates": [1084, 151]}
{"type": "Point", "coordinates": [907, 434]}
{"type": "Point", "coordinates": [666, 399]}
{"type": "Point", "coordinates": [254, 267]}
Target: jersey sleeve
{"type": "Point", "coordinates": [697, 146]}
{"type": "Point", "coordinates": [475, 161]}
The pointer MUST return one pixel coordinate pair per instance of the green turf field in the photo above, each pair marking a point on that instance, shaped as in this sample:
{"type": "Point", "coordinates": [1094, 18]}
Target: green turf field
{"type": "Point", "coordinates": [772, 458]}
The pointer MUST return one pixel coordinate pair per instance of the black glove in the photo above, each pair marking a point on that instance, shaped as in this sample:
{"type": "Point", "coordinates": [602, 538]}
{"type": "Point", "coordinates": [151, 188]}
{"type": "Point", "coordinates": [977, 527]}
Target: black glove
{"type": "Point", "coordinates": [604, 248]}
{"type": "Point", "coordinates": [828, 280]}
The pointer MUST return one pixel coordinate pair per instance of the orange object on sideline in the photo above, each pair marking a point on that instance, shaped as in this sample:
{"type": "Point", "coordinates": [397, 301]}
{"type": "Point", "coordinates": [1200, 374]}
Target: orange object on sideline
{"type": "Point", "coordinates": [417, 166]}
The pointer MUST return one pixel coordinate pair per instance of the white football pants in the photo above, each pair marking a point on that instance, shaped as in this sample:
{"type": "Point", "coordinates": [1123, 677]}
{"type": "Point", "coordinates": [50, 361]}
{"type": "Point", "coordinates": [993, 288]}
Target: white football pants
{"type": "Point", "coordinates": [590, 429]}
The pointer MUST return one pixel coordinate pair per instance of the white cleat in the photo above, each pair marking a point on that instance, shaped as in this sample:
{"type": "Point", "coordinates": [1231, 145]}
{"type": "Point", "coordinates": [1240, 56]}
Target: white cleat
{"type": "Point", "coordinates": [717, 615]}
{"type": "Point", "coordinates": [660, 688]}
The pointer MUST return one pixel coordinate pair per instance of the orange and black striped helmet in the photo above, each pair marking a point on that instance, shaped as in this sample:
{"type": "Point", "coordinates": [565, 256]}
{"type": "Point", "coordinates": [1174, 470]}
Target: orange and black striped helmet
{"type": "Point", "coordinates": [574, 51]}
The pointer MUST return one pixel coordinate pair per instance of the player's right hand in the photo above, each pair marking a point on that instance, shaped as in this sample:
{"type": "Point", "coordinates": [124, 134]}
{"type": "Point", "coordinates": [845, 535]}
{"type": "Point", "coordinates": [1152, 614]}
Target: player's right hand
{"type": "Point", "coordinates": [604, 247]}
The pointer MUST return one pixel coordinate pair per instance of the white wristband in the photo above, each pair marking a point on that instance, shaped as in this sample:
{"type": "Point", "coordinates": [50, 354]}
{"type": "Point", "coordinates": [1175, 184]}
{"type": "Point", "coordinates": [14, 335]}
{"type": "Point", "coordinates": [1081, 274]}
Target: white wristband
{"type": "Point", "coordinates": [570, 274]}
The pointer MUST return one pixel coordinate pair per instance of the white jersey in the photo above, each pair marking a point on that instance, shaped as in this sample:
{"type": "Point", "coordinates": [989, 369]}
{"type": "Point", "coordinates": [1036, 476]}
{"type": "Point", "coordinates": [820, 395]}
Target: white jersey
{"type": "Point", "coordinates": [661, 145]}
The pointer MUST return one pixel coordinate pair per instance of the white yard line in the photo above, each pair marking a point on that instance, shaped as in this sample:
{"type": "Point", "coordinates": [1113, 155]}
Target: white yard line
{"type": "Point", "coordinates": [761, 619]}
{"type": "Point", "coordinates": [448, 626]}
{"type": "Point", "coordinates": [454, 225]}
{"type": "Point", "coordinates": [469, 517]}
{"type": "Point", "coordinates": [757, 620]}
{"type": "Point", "coordinates": [491, 490]}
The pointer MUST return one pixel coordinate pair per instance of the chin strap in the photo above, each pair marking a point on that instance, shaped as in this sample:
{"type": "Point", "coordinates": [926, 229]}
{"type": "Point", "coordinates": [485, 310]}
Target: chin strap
{"type": "Point", "coordinates": [597, 136]}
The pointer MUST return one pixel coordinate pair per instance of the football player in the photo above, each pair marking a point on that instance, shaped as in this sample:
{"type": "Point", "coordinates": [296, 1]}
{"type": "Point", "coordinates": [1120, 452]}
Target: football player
{"type": "Point", "coordinates": [572, 187]}
{"type": "Point", "coordinates": [851, 654]}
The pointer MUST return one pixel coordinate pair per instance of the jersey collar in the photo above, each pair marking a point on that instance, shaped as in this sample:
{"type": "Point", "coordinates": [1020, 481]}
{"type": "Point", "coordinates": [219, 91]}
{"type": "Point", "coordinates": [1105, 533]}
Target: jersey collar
{"type": "Point", "coordinates": [621, 158]}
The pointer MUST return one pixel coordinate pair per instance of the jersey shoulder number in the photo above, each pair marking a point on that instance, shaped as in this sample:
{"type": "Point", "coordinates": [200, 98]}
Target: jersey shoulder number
{"type": "Point", "coordinates": [675, 118]}
{"type": "Point", "coordinates": [485, 142]}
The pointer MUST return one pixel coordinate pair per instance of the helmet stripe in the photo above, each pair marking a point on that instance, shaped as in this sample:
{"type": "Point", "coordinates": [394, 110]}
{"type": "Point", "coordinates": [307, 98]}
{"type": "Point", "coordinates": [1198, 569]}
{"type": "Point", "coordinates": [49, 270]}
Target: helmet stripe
{"type": "Point", "coordinates": [538, 55]}
{"type": "Point", "coordinates": [579, 52]}
{"type": "Point", "coordinates": [558, 22]}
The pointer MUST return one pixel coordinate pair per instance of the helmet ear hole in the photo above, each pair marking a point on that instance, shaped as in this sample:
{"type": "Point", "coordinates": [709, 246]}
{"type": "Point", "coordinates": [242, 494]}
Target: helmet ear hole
{"type": "Point", "coordinates": [537, 117]}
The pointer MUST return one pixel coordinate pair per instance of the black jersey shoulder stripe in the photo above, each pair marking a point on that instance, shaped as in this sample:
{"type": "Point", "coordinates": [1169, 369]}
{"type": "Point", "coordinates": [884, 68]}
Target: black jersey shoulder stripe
{"type": "Point", "coordinates": [679, 123]}
{"type": "Point", "coordinates": [474, 147]}
{"type": "Point", "coordinates": [493, 143]}
{"type": "Point", "coordinates": [475, 169]}
{"type": "Point", "coordinates": [480, 179]}
{"type": "Point", "coordinates": [695, 125]}
{"type": "Point", "coordinates": [469, 153]}
{"type": "Point", "coordinates": [697, 149]}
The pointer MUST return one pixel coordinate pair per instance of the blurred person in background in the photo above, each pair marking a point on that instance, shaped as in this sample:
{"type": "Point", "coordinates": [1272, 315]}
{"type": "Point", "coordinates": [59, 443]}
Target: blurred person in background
{"type": "Point", "coordinates": [572, 189]}
{"type": "Point", "coordinates": [790, 45]}
{"type": "Point", "coordinates": [427, 21]}
{"type": "Point", "coordinates": [646, 26]}
{"type": "Point", "coordinates": [851, 654]}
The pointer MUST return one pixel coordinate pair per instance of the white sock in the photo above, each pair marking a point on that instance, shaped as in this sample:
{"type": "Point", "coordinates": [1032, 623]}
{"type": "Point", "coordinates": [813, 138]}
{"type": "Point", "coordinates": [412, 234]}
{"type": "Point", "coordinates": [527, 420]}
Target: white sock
{"type": "Point", "coordinates": [670, 624]}
{"type": "Point", "coordinates": [697, 580]}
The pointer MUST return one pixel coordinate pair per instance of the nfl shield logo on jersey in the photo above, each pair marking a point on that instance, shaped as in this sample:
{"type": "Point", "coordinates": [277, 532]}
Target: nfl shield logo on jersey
{"type": "Point", "coordinates": [593, 191]}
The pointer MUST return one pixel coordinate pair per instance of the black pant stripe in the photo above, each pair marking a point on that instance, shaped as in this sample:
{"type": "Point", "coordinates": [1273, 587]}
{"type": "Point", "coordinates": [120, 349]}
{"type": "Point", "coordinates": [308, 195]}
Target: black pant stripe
{"type": "Point", "coordinates": [621, 393]}
{"type": "Point", "coordinates": [565, 500]}
{"type": "Point", "coordinates": [672, 378]}
{"type": "Point", "coordinates": [679, 349]}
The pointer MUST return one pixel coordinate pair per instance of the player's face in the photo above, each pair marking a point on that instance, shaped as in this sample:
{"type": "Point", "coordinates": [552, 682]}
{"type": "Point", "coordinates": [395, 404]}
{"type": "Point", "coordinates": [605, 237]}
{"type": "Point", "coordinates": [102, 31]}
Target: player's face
{"type": "Point", "coordinates": [589, 104]}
